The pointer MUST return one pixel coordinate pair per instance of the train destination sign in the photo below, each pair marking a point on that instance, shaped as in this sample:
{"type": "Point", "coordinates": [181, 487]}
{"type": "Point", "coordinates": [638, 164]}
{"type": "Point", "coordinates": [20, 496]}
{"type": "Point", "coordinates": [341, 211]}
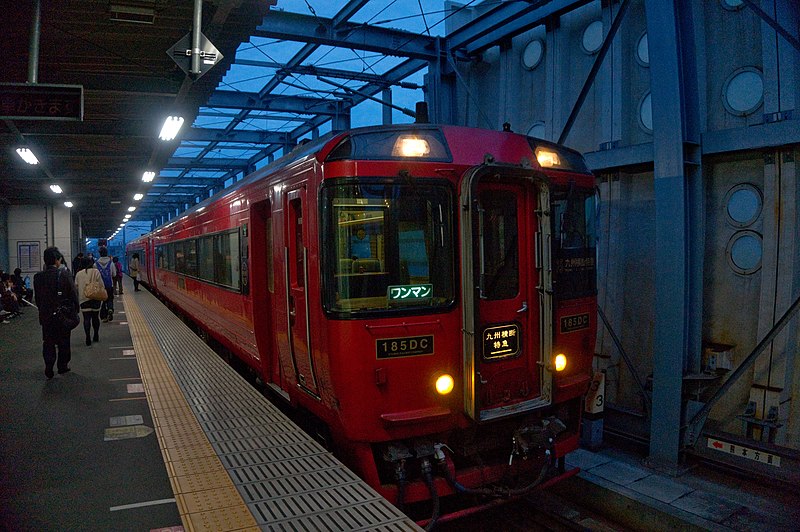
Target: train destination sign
{"type": "Point", "coordinates": [41, 101]}
{"type": "Point", "coordinates": [501, 341]}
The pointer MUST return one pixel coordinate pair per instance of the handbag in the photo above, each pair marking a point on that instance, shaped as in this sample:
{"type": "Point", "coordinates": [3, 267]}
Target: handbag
{"type": "Point", "coordinates": [95, 289]}
{"type": "Point", "coordinates": [66, 315]}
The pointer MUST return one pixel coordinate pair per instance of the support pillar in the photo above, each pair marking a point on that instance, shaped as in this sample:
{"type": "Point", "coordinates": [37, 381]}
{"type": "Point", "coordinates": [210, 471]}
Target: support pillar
{"type": "Point", "coordinates": [679, 221]}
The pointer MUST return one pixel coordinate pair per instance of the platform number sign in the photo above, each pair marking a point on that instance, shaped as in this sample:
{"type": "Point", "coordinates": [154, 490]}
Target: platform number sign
{"type": "Point", "coordinates": [595, 397]}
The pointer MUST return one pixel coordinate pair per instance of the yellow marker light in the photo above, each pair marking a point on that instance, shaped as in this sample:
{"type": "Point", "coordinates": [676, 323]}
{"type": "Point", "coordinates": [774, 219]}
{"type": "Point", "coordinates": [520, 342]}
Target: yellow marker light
{"type": "Point", "coordinates": [410, 146]}
{"type": "Point", "coordinates": [444, 384]}
{"type": "Point", "coordinates": [547, 158]}
{"type": "Point", "coordinates": [560, 362]}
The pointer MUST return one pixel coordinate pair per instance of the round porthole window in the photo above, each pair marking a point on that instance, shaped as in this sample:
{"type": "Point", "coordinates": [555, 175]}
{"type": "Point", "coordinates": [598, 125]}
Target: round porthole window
{"type": "Point", "coordinates": [532, 54]}
{"type": "Point", "coordinates": [743, 204]}
{"type": "Point", "coordinates": [592, 37]}
{"type": "Point", "coordinates": [732, 5]}
{"type": "Point", "coordinates": [646, 113]}
{"type": "Point", "coordinates": [642, 51]}
{"type": "Point", "coordinates": [537, 130]}
{"type": "Point", "coordinates": [743, 92]}
{"type": "Point", "coordinates": [744, 252]}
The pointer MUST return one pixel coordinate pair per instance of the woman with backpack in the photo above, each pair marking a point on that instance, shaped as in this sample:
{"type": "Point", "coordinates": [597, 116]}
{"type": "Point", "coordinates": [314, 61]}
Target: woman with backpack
{"type": "Point", "coordinates": [107, 272]}
{"type": "Point", "coordinates": [90, 306]}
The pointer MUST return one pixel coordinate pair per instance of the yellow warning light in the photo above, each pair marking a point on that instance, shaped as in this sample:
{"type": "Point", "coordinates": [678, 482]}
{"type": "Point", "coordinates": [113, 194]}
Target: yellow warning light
{"type": "Point", "coordinates": [444, 384]}
{"type": "Point", "coordinates": [411, 146]}
{"type": "Point", "coordinates": [560, 362]}
{"type": "Point", "coordinates": [547, 158]}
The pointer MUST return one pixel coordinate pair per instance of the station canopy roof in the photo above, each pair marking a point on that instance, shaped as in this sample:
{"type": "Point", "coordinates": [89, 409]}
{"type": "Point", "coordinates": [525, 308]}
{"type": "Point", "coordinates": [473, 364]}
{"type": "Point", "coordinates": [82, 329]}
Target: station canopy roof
{"type": "Point", "coordinates": [290, 70]}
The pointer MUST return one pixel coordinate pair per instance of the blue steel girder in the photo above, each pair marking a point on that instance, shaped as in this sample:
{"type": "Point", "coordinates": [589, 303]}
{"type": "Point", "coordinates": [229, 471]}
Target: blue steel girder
{"type": "Point", "coordinates": [204, 163]}
{"type": "Point", "coordinates": [247, 136]}
{"type": "Point", "coordinates": [323, 31]}
{"type": "Point", "coordinates": [250, 101]}
{"type": "Point", "coordinates": [311, 70]}
{"type": "Point", "coordinates": [401, 71]}
{"type": "Point", "coordinates": [678, 188]}
{"type": "Point", "coordinates": [505, 21]}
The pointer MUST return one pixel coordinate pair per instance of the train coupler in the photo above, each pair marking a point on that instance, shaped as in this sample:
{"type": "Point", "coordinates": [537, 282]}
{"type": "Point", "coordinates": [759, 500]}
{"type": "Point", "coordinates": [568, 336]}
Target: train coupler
{"type": "Point", "coordinates": [535, 439]}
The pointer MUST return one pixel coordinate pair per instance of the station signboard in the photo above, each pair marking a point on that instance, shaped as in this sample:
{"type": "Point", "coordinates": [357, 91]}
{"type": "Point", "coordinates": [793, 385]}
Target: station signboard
{"type": "Point", "coordinates": [41, 101]}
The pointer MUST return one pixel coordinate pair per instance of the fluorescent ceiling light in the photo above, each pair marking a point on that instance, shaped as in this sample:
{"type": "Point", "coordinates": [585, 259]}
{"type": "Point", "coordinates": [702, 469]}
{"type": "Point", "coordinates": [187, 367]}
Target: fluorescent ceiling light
{"type": "Point", "coordinates": [148, 176]}
{"type": "Point", "coordinates": [131, 208]}
{"type": "Point", "coordinates": [56, 189]}
{"type": "Point", "coordinates": [27, 156]}
{"type": "Point", "coordinates": [171, 127]}
{"type": "Point", "coordinates": [137, 197]}
{"type": "Point", "coordinates": [139, 11]}
{"type": "Point", "coordinates": [68, 204]}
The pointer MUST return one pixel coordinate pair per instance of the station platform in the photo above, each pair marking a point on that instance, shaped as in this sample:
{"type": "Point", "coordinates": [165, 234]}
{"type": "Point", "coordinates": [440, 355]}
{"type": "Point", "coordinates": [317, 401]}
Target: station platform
{"type": "Point", "coordinates": [151, 430]}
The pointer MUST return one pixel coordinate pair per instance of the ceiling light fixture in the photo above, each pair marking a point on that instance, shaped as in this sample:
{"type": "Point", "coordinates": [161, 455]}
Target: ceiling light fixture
{"type": "Point", "coordinates": [137, 197]}
{"type": "Point", "coordinates": [27, 156]}
{"type": "Point", "coordinates": [131, 208]}
{"type": "Point", "coordinates": [69, 204]}
{"type": "Point", "coordinates": [171, 127]}
{"type": "Point", "coordinates": [140, 11]}
{"type": "Point", "coordinates": [56, 189]}
{"type": "Point", "coordinates": [148, 176]}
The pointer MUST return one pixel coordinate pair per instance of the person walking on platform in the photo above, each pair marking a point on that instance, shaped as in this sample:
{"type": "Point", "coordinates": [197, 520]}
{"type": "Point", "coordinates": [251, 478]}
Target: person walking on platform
{"type": "Point", "coordinates": [107, 272]}
{"type": "Point", "coordinates": [133, 270]}
{"type": "Point", "coordinates": [90, 308]}
{"type": "Point", "coordinates": [118, 277]}
{"type": "Point", "coordinates": [77, 263]}
{"type": "Point", "coordinates": [52, 288]}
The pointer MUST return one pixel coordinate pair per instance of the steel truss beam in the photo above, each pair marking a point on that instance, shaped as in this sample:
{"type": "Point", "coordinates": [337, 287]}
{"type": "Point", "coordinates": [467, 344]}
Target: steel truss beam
{"type": "Point", "coordinates": [324, 31]}
{"type": "Point", "coordinates": [250, 101]}
{"type": "Point", "coordinates": [506, 21]}
{"type": "Point", "coordinates": [245, 136]}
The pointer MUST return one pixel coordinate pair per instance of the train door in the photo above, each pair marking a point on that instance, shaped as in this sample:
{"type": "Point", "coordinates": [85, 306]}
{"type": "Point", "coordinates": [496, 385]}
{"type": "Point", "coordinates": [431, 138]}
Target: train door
{"type": "Point", "coordinates": [506, 345]}
{"type": "Point", "coordinates": [297, 294]}
{"type": "Point", "coordinates": [262, 290]}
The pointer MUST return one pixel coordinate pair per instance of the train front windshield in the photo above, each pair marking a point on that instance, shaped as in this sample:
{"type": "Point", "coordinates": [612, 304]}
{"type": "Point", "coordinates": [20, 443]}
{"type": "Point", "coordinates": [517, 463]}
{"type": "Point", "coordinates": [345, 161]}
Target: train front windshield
{"type": "Point", "coordinates": [387, 247]}
{"type": "Point", "coordinates": [574, 237]}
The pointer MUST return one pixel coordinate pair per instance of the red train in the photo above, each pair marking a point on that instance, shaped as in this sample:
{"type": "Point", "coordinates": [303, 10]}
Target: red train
{"type": "Point", "coordinates": [426, 292]}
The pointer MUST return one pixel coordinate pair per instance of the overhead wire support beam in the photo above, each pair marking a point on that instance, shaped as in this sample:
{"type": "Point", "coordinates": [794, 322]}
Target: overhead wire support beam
{"type": "Point", "coordinates": [404, 110]}
{"type": "Point", "coordinates": [311, 70]}
{"type": "Point", "coordinates": [274, 102]}
{"type": "Point", "coordinates": [192, 162]}
{"type": "Point", "coordinates": [323, 31]}
{"type": "Point", "coordinates": [244, 136]}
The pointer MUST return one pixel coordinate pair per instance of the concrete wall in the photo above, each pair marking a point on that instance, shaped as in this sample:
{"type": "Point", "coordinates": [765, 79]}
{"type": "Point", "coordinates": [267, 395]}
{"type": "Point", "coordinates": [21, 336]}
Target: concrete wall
{"type": "Point", "coordinates": [32, 228]}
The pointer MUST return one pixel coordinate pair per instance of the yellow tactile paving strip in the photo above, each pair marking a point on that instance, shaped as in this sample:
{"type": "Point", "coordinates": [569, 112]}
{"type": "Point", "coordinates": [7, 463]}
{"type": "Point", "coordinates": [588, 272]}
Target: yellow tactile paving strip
{"type": "Point", "coordinates": [207, 498]}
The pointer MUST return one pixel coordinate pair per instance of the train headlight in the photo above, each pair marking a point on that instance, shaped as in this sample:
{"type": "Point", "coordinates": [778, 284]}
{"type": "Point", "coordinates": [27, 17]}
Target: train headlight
{"type": "Point", "coordinates": [411, 146]}
{"type": "Point", "coordinates": [547, 158]}
{"type": "Point", "coordinates": [560, 362]}
{"type": "Point", "coordinates": [444, 384]}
